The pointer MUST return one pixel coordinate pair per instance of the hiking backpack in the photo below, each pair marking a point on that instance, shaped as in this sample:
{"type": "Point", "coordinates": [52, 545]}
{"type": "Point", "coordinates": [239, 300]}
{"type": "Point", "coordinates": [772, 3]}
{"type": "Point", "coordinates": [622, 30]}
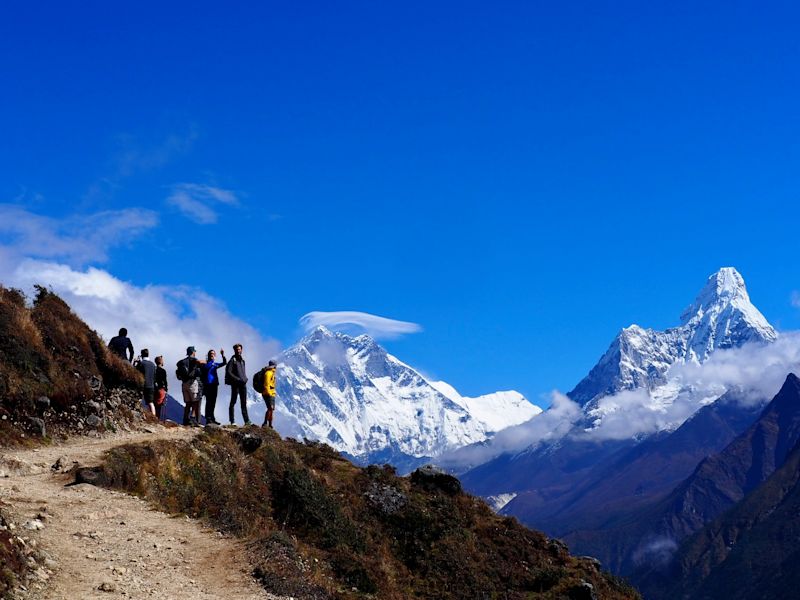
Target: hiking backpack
{"type": "Point", "coordinates": [259, 379]}
{"type": "Point", "coordinates": [182, 372]}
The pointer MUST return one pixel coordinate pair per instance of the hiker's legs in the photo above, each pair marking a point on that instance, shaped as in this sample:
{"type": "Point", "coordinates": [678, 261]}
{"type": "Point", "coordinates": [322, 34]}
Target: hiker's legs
{"type": "Point", "coordinates": [232, 405]}
{"type": "Point", "coordinates": [188, 399]}
{"type": "Point", "coordinates": [270, 402]}
{"type": "Point", "coordinates": [211, 402]}
{"type": "Point", "coordinates": [243, 401]}
{"type": "Point", "coordinates": [149, 400]}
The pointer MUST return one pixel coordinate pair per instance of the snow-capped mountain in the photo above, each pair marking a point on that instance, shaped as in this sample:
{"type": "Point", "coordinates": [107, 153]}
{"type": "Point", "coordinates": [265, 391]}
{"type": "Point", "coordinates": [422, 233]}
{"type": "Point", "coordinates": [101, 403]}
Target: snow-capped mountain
{"type": "Point", "coordinates": [722, 316]}
{"type": "Point", "coordinates": [352, 394]}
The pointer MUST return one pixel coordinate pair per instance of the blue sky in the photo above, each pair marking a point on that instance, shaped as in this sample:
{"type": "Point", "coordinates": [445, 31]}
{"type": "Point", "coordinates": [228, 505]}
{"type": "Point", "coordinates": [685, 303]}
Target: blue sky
{"type": "Point", "coordinates": [519, 179]}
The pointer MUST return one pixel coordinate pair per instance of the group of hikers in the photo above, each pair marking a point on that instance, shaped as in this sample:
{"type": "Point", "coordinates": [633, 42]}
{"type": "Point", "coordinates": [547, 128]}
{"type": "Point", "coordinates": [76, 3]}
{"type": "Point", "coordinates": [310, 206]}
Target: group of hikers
{"type": "Point", "coordinates": [199, 378]}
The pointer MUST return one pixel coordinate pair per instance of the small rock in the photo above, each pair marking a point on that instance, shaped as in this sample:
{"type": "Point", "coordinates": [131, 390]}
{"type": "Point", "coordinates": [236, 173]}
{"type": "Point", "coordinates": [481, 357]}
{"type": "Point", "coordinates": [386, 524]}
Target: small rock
{"type": "Point", "coordinates": [34, 525]}
{"type": "Point", "coordinates": [107, 586]}
{"type": "Point", "coordinates": [431, 477]}
{"type": "Point", "coordinates": [42, 403]}
{"type": "Point", "coordinates": [60, 464]}
{"type": "Point", "coordinates": [93, 421]}
{"type": "Point", "coordinates": [584, 591]}
{"type": "Point", "coordinates": [90, 475]}
{"type": "Point", "coordinates": [95, 383]}
{"type": "Point", "coordinates": [36, 426]}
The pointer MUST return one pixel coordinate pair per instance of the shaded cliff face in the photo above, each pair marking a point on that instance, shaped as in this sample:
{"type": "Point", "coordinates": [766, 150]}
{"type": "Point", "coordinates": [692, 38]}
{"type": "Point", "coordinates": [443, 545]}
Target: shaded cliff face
{"type": "Point", "coordinates": [55, 371]}
{"type": "Point", "coordinates": [750, 551]}
{"type": "Point", "coordinates": [320, 527]}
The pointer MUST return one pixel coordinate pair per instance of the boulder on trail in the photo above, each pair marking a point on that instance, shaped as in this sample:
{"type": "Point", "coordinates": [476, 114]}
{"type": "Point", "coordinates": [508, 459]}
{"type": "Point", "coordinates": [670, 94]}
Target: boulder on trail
{"type": "Point", "coordinates": [91, 475]}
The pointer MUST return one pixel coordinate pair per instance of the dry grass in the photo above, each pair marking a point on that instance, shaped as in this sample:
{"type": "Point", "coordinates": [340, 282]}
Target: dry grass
{"type": "Point", "coordinates": [319, 527]}
{"type": "Point", "coordinates": [46, 350]}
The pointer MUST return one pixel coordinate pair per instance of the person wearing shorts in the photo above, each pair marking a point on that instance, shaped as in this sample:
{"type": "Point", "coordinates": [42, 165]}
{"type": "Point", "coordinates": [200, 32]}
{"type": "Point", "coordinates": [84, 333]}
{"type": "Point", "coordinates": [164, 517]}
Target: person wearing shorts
{"type": "Point", "coordinates": [269, 392]}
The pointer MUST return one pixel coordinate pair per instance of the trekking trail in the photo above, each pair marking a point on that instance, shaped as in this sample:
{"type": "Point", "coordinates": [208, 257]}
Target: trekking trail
{"type": "Point", "coordinates": [100, 543]}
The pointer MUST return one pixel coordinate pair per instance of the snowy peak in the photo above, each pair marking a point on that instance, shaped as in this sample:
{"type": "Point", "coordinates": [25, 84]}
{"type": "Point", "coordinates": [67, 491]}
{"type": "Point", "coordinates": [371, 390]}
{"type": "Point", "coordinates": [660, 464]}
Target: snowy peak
{"type": "Point", "coordinates": [352, 394]}
{"type": "Point", "coordinates": [723, 287]}
{"type": "Point", "coordinates": [721, 316]}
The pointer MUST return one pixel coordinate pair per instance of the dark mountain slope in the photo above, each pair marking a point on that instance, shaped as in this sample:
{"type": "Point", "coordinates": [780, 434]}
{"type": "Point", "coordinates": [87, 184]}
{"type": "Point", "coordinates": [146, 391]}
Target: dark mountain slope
{"type": "Point", "coordinates": [648, 536]}
{"type": "Point", "coordinates": [751, 551]}
{"type": "Point", "coordinates": [637, 476]}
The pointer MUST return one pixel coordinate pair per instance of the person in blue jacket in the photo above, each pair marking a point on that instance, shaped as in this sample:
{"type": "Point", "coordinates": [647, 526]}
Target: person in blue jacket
{"type": "Point", "coordinates": [210, 380]}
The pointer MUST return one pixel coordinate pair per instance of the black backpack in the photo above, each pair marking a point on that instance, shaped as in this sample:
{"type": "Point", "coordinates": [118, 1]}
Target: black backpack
{"type": "Point", "coordinates": [259, 379]}
{"type": "Point", "coordinates": [182, 372]}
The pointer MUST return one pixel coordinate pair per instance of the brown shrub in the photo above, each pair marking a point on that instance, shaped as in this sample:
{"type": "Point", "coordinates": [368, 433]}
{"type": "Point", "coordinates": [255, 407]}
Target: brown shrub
{"type": "Point", "coordinates": [320, 527]}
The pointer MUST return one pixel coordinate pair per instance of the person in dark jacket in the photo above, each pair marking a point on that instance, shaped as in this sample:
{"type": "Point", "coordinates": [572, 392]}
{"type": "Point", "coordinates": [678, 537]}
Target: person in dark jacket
{"type": "Point", "coordinates": [191, 386]}
{"type": "Point", "coordinates": [121, 345]}
{"type": "Point", "coordinates": [210, 380]}
{"type": "Point", "coordinates": [147, 368]}
{"type": "Point", "coordinates": [236, 377]}
{"type": "Point", "coordinates": [161, 387]}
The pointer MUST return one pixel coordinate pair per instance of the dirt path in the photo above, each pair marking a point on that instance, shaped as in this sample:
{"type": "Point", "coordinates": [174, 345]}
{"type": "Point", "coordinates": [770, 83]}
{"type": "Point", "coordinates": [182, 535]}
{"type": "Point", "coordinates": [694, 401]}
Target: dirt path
{"type": "Point", "coordinates": [105, 544]}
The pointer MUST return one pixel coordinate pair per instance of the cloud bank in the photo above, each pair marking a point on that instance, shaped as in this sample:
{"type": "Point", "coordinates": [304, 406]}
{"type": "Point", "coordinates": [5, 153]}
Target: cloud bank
{"type": "Point", "coordinates": [375, 326]}
{"type": "Point", "coordinates": [76, 239]}
{"type": "Point", "coordinates": [198, 202]}
{"type": "Point", "coordinates": [755, 371]}
{"type": "Point", "coordinates": [163, 319]}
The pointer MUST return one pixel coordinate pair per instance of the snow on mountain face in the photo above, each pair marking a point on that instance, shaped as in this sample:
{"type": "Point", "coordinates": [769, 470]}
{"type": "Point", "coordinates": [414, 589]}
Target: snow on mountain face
{"type": "Point", "coordinates": [350, 393]}
{"type": "Point", "coordinates": [722, 316]}
{"type": "Point", "coordinates": [497, 411]}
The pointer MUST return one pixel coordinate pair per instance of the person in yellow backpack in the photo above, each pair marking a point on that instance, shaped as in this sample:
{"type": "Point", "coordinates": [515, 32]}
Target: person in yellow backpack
{"type": "Point", "coordinates": [269, 392]}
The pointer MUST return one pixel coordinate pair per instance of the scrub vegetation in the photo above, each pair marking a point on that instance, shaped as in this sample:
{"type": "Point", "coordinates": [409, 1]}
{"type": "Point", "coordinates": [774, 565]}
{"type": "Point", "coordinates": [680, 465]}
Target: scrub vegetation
{"type": "Point", "coordinates": [319, 527]}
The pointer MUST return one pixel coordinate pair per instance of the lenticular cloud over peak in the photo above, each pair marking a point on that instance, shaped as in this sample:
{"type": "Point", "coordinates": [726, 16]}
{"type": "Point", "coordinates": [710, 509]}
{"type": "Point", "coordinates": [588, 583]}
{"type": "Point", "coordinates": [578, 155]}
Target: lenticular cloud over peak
{"type": "Point", "coordinates": [376, 326]}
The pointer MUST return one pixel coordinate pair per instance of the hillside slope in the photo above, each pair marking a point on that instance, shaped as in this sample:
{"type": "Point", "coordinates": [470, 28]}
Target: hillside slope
{"type": "Point", "coordinates": [320, 527]}
{"type": "Point", "coordinates": [56, 375]}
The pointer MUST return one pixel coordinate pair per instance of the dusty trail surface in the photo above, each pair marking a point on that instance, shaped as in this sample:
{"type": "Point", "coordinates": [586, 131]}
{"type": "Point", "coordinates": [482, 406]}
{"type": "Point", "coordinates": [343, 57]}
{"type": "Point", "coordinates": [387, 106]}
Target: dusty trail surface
{"type": "Point", "coordinates": [105, 544]}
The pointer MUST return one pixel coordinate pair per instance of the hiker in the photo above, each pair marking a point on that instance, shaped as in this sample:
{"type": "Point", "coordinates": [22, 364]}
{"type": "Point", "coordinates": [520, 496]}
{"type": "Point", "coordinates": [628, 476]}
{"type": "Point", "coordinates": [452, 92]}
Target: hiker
{"type": "Point", "coordinates": [236, 377]}
{"type": "Point", "coordinates": [121, 345]}
{"type": "Point", "coordinates": [210, 381]}
{"type": "Point", "coordinates": [161, 387]}
{"type": "Point", "coordinates": [146, 367]}
{"type": "Point", "coordinates": [269, 392]}
{"type": "Point", "coordinates": [188, 372]}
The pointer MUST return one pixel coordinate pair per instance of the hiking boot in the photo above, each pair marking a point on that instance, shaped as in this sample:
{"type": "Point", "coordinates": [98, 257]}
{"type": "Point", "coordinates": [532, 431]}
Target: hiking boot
{"type": "Point", "coordinates": [247, 423]}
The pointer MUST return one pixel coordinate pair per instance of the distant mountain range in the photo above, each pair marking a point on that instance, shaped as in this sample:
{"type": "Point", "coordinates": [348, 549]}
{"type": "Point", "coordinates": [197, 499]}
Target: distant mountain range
{"type": "Point", "coordinates": [350, 393]}
{"type": "Point", "coordinates": [605, 495]}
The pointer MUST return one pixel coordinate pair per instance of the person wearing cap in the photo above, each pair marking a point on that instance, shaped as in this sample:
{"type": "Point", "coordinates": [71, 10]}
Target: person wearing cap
{"type": "Point", "coordinates": [269, 392]}
{"type": "Point", "coordinates": [189, 374]}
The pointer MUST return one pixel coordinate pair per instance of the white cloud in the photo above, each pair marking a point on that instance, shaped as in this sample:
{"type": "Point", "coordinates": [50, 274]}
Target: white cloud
{"type": "Point", "coordinates": [796, 299]}
{"type": "Point", "coordinates": [198, 202]}
{"type": "Point", "coordinates": [552, 424]}
{"type": "Point", "coordinates": [76, 239]}
{"type": "Point", "coordinates": [163, 319]}
{"type": "Point", "coordinates": [375, 326]}
{"type": "Point", "coordinates": [755, 371]}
